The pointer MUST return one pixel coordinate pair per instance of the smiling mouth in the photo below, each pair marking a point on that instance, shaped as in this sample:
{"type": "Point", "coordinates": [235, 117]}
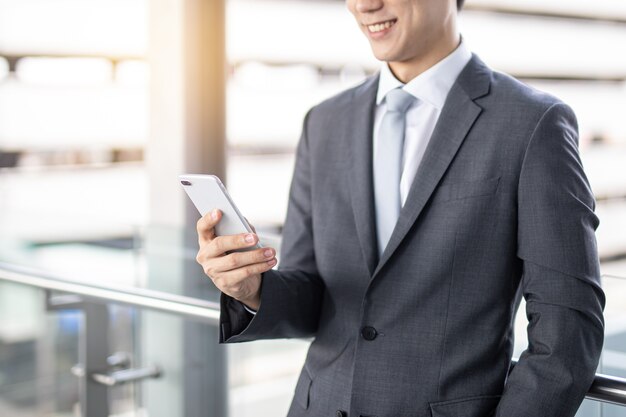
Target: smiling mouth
{"type": "Point", "coordinates": [379, 27]}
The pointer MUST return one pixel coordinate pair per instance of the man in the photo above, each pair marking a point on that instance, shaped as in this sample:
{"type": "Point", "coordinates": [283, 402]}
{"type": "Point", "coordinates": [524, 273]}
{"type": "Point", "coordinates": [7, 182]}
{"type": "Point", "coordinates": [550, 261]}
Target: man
{"type": "Point", "coordinates": [424, 203]}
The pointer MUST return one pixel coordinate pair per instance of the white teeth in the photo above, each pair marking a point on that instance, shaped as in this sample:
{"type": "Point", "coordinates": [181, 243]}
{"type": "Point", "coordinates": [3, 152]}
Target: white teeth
{"type": "Point", "coordinates": [380, 26]}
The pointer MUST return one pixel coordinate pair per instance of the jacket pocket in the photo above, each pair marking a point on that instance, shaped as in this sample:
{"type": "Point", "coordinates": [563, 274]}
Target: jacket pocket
{"type": "Point", "coordinates": [303, 389]}
{"type": "Point", "coordinates": [466, 189]}
{"type": "Point", "coordinates": [480, 406]}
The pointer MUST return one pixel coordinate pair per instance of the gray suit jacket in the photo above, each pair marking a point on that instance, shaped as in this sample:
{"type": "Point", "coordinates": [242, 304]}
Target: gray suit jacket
{"type": "Point", "coordinates": [500, 208]}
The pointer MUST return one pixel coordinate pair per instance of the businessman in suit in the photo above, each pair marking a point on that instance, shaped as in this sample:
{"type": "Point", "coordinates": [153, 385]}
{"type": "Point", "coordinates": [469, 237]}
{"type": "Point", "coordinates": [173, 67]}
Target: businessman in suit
{"type": "Point", "coordinates": [425, 202]}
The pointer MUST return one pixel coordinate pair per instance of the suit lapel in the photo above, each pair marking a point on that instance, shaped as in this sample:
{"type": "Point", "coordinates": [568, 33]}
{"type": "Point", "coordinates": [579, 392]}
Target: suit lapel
{"type": "Point", "coordinates": [358, 131]}
{"type": "Point", "coordinates": [456, 119]}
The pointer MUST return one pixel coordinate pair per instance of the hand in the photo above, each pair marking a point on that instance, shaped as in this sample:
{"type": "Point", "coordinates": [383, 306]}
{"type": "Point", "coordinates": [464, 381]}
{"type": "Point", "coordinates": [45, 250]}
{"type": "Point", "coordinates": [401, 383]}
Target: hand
{"type": "Point", "coordinates": [236, 274]}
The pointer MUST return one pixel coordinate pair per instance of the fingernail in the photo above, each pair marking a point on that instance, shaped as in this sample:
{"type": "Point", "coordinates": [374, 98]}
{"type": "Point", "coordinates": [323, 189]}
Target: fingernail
{"type": "Point", "coordinates": [272, 262]}
{"type": "Point", "coordinates": [249, 238]}
{"type": "Point", "coordinates": [214, 214]}
{"type": "Point", "coordinates": [268, 253]}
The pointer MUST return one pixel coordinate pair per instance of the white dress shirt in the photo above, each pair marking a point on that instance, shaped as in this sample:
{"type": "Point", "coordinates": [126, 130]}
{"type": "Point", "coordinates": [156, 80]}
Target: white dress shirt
{"type": "Point", "coordinates": [430, 88]}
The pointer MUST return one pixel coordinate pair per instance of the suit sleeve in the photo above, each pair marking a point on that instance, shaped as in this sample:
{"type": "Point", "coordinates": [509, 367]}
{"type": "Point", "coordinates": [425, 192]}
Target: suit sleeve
{"type": "Point", "coordinates": [292, 295]}
{"type": "Point", "coordinates": [561, 275]}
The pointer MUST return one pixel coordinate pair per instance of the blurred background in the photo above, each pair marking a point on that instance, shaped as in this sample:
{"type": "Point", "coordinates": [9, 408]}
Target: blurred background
{"type": "Point", "coordinates": [104, 102]}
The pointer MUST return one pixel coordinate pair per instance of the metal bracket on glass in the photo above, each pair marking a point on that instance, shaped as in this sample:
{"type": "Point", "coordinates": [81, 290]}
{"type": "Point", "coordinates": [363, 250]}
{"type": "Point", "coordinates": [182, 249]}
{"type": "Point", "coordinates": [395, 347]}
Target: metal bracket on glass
{"type": "Point", "coordinates": [119, 361]}
{"type": "Point", "coordinates": [126, 375]}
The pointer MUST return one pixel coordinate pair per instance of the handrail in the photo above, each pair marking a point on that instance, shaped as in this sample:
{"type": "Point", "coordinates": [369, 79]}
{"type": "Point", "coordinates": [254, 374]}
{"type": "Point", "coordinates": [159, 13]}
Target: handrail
{"type": "Point", "coordinates": [194, 308]}
{"type": "Point", "coordinates": [605, 388]}
{"type": "Point", "coordinates": [608, 389]}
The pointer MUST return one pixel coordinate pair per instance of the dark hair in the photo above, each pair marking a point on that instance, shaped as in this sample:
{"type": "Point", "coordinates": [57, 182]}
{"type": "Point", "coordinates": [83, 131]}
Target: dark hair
{"type": "Point", "coordinates": [459, 4]}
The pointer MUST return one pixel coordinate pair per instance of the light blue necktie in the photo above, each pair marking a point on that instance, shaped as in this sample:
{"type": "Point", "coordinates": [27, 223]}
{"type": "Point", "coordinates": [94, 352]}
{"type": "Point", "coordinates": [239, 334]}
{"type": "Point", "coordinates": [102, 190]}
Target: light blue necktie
{"type": "Point", "coordinates": [388, 164]}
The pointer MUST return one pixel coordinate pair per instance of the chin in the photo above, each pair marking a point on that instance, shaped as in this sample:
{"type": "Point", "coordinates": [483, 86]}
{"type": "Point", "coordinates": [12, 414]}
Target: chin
{"type": "Point", "coordinates": [384, 52]}
{"type": "Point", "coordinates": [383, 56]}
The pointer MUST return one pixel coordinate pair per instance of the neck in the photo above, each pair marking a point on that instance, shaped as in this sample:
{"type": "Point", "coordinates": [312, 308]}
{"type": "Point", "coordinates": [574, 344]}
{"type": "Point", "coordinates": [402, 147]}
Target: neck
{"type": "Point", "coordinates": [405, 71]}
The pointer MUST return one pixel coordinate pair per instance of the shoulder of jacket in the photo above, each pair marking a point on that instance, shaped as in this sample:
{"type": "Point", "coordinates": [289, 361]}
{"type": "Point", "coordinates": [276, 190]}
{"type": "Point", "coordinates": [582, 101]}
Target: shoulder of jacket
{"type": "Point", "coordinates": [343, 98]}
{"type": "Point", "coordinates": [511, 90]}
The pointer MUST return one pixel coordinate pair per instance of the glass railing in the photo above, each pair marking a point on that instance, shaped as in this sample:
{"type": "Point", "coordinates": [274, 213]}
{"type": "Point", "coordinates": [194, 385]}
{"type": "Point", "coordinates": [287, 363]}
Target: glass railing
{"type": "Point", "coordinates": [126, 326]}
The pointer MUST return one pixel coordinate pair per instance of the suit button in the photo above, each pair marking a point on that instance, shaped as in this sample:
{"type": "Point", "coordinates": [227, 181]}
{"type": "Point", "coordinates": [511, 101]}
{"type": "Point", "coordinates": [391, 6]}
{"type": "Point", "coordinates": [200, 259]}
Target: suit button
{"type": "Point", "coordinates": [341, 413]}
{"type": "Point", "coordinates": [369, 333]}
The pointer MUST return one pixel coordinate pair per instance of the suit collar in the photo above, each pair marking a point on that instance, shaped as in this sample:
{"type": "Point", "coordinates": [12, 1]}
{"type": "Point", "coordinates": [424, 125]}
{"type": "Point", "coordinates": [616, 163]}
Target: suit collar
{"type": "Point", "coordinates": [475, 79]}
{"type": "Point", "coordinates": [457, 117]}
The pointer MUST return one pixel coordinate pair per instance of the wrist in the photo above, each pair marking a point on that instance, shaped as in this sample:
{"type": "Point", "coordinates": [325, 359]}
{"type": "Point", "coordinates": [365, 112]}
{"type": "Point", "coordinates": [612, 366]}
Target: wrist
{"type": "Point", "coordinates": [252, 303]}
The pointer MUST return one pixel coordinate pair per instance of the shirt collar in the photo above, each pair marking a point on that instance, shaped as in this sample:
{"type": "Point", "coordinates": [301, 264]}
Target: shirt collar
{"type": "Point", "coordinates": [431, 86]}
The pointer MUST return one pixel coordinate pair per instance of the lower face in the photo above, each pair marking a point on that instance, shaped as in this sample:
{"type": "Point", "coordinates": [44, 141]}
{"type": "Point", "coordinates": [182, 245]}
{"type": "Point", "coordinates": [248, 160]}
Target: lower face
{"type": "Point", "coordinates": [414, 28]}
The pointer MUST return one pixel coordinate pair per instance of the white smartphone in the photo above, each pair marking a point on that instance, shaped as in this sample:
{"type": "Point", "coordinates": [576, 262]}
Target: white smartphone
{"type": "Point", "coordinates": [207, 192]}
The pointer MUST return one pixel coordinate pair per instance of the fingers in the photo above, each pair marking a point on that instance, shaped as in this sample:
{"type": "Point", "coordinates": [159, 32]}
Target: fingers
{"type": "Point", "coordinates": [238, 260]}
{"type": "Point", "coordinates": [214, 265]}
{"type": "Point", "coordinates": [206, 226]}
{"type": "Point", "coordinates": [238, 282]}
{"type": "Point", "coordinates": [222, 244]}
